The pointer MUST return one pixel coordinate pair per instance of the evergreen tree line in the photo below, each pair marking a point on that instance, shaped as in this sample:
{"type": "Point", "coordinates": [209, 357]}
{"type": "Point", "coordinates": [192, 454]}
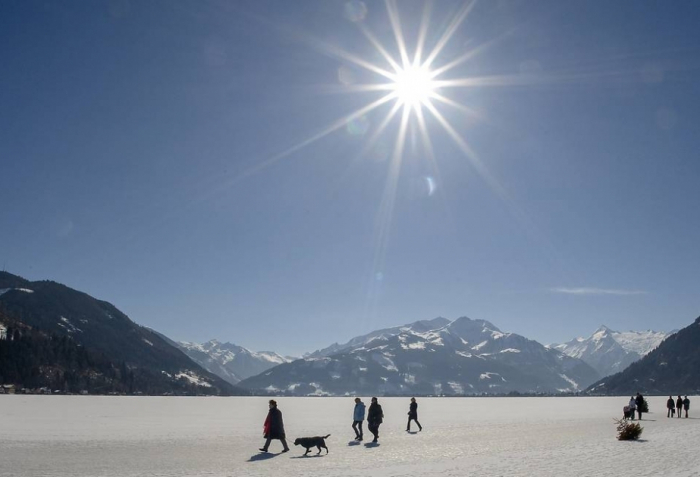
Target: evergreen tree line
{"type": "Point", "coordinates": [33, 359]}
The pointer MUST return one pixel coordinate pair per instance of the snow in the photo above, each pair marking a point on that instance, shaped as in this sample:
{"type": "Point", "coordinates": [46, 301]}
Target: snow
{"type": "Point", "coordinates": [574, 384]}
{"type": "Point", "coordinates": [416, 345]}
{"type": "Point", "coordinates": [25, 290]}
{"type": "Point", "coordinates": [642, 342]}
{"type": "Point", "coordinates": [386, 362]}
{"type": "Point", "coordinates": [488, 375]}
{"type": "Point", "coordinates": [217, 437]}
{"type": "Point", "coordinates": [480, 345]}
{"type": "Point", "coordinates": [193, 378]}
{"type": "Point", "coordinates": [68, 326]}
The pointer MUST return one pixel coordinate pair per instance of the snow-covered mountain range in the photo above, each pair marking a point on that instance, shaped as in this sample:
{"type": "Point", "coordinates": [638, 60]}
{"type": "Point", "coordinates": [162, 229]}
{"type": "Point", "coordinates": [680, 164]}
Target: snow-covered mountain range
{"type": "Point", "coordinates": [229, 361]}
{"type": "Point", "coordinates": [672, 367]}
{"type": "Point", "coordinates": [437, 356]}
{"type": "Point", "coordinates": [610, 352]}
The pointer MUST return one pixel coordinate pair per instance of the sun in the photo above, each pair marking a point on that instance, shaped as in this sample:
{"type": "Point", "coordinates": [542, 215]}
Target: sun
{"type": "Point", "coordinates": [413, 86]}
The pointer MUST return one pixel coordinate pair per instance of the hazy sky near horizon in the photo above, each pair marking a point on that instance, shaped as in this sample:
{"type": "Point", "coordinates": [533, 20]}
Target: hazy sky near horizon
{"type": "Point", "coordinates": [169, 157]}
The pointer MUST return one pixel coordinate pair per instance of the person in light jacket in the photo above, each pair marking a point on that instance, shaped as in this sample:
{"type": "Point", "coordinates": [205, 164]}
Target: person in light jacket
{"type": "Point", "coordinates": [358, 415]}
{"type": "Point", "coordinates": [375, 416]}
{"type": "Point", "coordinates": [633, 407]}
{"type": "Point", "coordinates": [274, 427]}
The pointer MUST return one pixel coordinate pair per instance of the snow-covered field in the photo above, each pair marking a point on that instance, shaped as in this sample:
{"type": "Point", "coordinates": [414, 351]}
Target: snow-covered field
{"type": "Point", "coordinates": [169, 436]}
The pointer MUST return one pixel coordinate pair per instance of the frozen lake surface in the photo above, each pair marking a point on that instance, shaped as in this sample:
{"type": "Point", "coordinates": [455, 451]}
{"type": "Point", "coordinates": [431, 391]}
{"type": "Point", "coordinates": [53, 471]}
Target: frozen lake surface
{"type": "Point", "coordinates": [171, 436]}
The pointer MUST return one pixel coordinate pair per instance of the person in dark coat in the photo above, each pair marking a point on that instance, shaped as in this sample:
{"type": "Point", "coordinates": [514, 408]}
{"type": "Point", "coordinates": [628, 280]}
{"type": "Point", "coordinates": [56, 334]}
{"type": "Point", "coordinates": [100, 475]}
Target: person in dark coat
{"type": "Point", "coordinates": [375, 417]}
{"type": "Point", "coordinates": [679, 406]}
{"type": "Point", "coordinates": [413, 415]}
{"type": "Point", "coordinates": [274, 427]}
{"type": "Point", "coordinates": [686, 405]}
{"type": "Point", "coordinates": [640, 405]}
{"type": "Point", "coordinates": [669, 406]}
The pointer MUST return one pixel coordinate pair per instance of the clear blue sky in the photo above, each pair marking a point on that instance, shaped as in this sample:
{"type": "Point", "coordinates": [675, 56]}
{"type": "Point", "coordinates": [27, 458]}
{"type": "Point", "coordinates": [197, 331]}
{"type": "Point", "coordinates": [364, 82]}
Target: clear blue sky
{"type": "Point", "coordinates": [135, 147]}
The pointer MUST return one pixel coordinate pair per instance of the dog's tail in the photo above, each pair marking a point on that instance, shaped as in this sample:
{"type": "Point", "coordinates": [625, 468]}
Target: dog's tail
{"type": "Point", "coordinates": [326, 437]}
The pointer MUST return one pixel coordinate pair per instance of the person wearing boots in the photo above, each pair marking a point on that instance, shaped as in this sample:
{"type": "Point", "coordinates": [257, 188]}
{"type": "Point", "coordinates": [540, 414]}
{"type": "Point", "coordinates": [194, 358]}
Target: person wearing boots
{"type": "Point", "coordinates": [274, 427]}
{"type": "Point", "coordinates": [375, 416]}
{"type": "Point", "coordinates": [358, 415]}
{"type": "Point", "coordinates": [413, 415]}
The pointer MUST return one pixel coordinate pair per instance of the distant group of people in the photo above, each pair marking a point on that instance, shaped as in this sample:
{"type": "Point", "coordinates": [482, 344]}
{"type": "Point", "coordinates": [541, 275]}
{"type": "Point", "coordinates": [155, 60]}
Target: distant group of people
{"type": "Point", "coordinates": [375, 416]}
{"type": "Point", "coordinates": [273, 428]}
{"type": "Point", "coordinates": [680, 405]}
{"type": "Point", "coordinates": [637, 403]}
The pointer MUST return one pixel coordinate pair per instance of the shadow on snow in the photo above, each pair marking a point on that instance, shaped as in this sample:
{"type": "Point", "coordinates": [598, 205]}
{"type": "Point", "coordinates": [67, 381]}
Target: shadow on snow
{"type": "Point", "coordinates": [262, 456]}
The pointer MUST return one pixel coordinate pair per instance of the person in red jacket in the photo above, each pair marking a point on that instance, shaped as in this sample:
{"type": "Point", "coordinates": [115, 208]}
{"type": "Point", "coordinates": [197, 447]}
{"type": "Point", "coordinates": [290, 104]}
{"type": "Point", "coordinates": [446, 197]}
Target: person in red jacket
{"type": "Point", "coordinates": [274, 427]}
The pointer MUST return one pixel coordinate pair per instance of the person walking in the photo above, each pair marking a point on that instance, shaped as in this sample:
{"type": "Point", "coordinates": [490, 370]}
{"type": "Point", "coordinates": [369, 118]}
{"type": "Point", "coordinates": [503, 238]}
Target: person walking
{"type": "Point", "coordinates": [679, 406]}
{"type": "Point", "coordinates": [413, 415]}
{"type": "Point", "coordinates": [686, 405]}
{"type": "Point", "coordinates": [669, 406]}
{"type": "Point", "coordinates": [632, 407]}
{"type": "Point", "coordinates": [358, 415]}
{"type": "Point", "coordinates": [639, 401]}
{"type": "Point", "coordinates": [274, 427]}
{"type": "Point", "coordinates": [375, 417]}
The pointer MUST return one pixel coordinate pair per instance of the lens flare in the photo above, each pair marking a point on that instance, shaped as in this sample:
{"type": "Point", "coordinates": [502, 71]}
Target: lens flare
{"type": "Point", "coordinates": [413, 86]}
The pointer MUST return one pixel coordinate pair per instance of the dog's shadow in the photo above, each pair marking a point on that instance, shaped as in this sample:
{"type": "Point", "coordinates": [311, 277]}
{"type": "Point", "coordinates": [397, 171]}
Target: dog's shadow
{"type": "Point", "coordinates": [354, 443]}
{"type": "Point", "coordinates": [308, 456]}
{"type": "Point", "coordinates": [262, 456]}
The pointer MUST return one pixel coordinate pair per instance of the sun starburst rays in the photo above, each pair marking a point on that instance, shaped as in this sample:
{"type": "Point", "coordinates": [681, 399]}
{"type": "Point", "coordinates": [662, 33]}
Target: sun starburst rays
{"type": "Point", "coordinates": [415, 84]}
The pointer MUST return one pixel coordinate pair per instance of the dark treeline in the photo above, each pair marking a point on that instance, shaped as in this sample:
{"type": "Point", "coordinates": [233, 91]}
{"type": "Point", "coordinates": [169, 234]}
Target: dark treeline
{"type": "Point", "coordinates": [33, 359]}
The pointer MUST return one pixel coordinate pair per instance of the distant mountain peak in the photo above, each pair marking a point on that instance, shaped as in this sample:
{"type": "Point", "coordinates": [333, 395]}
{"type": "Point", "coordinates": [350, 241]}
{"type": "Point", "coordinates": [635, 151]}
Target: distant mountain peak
{"type": "Point", "coordinates": [230, 361]}
{"type": "Point", "coordinates": [436, 356]}
{"type": "Point", "coordinates": [671, 365]}
{"type": "Point", "coordinates": [611, 351]}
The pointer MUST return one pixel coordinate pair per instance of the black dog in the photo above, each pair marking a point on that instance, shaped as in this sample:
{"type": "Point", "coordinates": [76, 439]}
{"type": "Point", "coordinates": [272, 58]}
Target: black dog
{"type": "Point", "coordinates": [310, 442]}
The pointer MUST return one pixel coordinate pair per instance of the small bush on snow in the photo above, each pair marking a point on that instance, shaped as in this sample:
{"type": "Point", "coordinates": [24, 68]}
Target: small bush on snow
{"type": "Point", "coordinates": [627, 431]}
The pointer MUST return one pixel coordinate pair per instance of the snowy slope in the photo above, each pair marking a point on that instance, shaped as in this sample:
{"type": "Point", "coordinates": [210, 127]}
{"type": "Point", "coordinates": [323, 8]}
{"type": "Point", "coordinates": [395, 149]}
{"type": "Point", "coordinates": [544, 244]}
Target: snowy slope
{"type": "Point", "coordinates": [608, 351]}
{"type": "Point", "coordinates": [455, 358]}
{"type": "Point", "coordinates": [229, 361]}
{"type": "Point", "coordinates": [418, 326]}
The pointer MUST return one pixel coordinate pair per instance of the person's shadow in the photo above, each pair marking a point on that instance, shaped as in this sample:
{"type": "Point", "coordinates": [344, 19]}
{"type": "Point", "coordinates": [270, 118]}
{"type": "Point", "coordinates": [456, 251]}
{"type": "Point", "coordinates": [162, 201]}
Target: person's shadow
{"type": "Point", "coordinates": [411, 432]}
{"type": "Point", "coordinates": [262, 456]}
{"type": "Point", "coordinates": [370, 445]}
{"type": "Point", "coordinates": [354, 443]}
